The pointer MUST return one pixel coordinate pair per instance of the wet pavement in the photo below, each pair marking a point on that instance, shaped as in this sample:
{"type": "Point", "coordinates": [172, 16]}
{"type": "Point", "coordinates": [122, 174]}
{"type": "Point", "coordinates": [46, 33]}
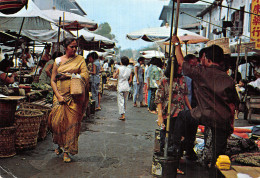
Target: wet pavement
{"type": "Point", "coordinates": [108, 147]}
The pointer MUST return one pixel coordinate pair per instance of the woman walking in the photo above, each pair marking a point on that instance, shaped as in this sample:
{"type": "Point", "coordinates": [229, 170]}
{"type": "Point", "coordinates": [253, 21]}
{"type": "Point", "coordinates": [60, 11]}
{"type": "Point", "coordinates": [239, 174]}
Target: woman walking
{"type": "Point", "coordinates": [95, 78]}
{"type": "Point", "coordinates": [67, 112]}
{"type": "Point", "coordinates": [124, 75]}
{"type": "Point", "coordinates": [138, 82]}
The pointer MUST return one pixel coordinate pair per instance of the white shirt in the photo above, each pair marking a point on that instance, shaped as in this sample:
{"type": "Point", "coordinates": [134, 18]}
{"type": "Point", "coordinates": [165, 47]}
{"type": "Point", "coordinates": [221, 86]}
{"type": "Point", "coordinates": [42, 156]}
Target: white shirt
{"type": "Point", "coordinates": [123, 76]}
{"type": "Point", "coordinates": [255, 84]}
{"type": "Point", "coordinates": [105, 66]}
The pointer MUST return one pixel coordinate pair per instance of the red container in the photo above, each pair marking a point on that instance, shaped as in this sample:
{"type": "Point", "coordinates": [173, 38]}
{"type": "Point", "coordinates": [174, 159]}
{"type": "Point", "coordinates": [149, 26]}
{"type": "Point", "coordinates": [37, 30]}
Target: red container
{"type": "Point", "coordinates": [26, 88]}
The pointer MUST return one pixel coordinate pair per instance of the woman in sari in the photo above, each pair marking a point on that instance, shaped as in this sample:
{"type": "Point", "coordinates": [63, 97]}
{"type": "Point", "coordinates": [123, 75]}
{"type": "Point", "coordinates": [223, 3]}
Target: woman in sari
{"type": "Point", "coordinates": [67, 112]}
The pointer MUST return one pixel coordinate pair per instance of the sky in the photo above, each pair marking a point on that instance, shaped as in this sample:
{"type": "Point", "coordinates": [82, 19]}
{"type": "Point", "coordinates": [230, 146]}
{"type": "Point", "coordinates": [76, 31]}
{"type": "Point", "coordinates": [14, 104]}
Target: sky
{"type": "Point", "coordinates": [125, 16]}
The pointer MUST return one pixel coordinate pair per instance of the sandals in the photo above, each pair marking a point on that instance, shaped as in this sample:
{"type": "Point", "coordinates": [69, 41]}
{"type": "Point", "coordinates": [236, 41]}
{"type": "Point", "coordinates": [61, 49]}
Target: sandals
{"type": "Point", "coordinates": [135, 105]}
{"type": "Point", "coordinates": [66, 158]}
{"type": "Point", "coordinates": [180, 172]}
{"type": "Point", "coordinates": [98, 109]}
{"type": "Point", "coordinates": [58, 151]}
{"type": "Point", "coordinates": [122, 118]}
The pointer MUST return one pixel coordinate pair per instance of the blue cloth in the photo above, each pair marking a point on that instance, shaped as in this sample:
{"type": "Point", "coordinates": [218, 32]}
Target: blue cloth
{"type": "Point", "coordinates": [139, 73]}
{"type": "Point", "coordinates": [94, 91]}
{"type": "Point", "coordinates": [138, 90]}
{"type": "Point", "coordinates": [189, 86]}
{"type": "Point", "coordinates": [95, 78]}
{"type": "Point", "coordinates": [149, 97]}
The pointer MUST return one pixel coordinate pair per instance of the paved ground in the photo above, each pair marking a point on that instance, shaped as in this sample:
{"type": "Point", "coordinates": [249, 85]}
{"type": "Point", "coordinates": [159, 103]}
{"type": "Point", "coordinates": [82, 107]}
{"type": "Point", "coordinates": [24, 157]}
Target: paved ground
{"type": "Point", "coordinates": [108, 147]}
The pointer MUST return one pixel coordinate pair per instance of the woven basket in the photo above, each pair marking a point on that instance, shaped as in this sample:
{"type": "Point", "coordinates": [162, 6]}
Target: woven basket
{"type": "Point", "coordinates": [27, 123]}
{"type": "Point", "coordinates": [44, 122]}
{"type": "Point", "coordinates": [7, 139]}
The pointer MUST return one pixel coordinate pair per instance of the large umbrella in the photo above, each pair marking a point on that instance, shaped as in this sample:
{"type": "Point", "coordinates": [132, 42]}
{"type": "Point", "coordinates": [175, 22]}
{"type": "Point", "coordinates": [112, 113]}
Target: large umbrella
{"type": "Point", "coordinates": [71, 21]}
{"type": "Point", "coordinates": [189, 39]}
{"type": "Point", "coordinates": [157, 34]}
{"type": "Point", "coordinates": [91, 41]}
{"type": "Point", "coordinates": [12, 6]}
{"type": "Point", "coordinates": [29, 19]}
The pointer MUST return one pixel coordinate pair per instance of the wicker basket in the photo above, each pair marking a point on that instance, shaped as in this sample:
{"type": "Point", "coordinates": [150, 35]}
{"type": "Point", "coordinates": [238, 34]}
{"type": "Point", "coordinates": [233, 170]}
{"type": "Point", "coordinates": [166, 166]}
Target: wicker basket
{"type": "Point", "coordinates": [7, 139]}
{"type": "Point", "coordinates": [27, 123]}
{"type": "Point", "coordinates": [44, 122]}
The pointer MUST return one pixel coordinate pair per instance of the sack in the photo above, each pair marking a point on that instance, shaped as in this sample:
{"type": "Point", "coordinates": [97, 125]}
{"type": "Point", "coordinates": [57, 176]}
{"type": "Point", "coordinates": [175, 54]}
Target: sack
{"type": "Point", "coordinates": [4, 90]}
{"type": "Point", "coordinates": [76, 86]}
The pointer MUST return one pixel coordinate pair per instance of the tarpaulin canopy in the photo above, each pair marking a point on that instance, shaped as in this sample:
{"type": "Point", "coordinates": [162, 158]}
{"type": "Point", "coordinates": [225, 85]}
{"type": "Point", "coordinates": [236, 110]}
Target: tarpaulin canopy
{"type": "Point", "coordinates": [71, 21]}
{"type": "Point", "coordinates": [34, 19]}
{"type": "Point", "coordinates": [46, 35]}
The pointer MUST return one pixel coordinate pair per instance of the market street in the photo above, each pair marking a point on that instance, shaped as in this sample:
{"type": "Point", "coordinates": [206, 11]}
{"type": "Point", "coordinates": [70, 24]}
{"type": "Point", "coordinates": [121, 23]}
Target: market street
{"type": "Point", "coordinates": [107, 147]}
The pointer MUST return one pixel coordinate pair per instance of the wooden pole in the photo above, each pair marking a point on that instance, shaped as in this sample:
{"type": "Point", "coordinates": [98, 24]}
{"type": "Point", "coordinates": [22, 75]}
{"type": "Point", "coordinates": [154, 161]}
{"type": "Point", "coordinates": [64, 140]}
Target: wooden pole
{"type": "Point", "coordinates": [59, 35]}
{"type": "Point", "coordinates": [238, 56]}
{"type": "Point", "coordinates": [16, 44]}
{"type": "Point", "coordinates": [171, 78]}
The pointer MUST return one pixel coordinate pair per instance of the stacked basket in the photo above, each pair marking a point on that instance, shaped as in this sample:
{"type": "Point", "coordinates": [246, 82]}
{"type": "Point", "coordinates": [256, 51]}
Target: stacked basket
{"type": "Point", "coordinates": [7, 139]}
{"type": "Point", "coordinates": [27, 123]}
{"type": "Point", "coordinates": [44, 125]}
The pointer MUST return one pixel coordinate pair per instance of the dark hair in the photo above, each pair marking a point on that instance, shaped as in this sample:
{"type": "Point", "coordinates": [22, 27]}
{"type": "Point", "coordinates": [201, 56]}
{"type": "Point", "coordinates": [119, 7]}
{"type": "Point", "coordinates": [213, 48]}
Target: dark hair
{"type": "Point", "coordinates": [26, 50]}
{"type": "Point", "coordinates": [203, 50]}
{"type": "Point", "coordinates": [111, 62]}
{"type": "Point", "coordinates": [56, 54]}
{"type": "Point", "coordinates": [156, 61]}
{"type": "Point", "coordinates": [105, 60]}
{"type": "Point", "coordinates": [4, 64]}
{"type": "Point", "coordinates": [124, 60]}
{"type": "Point", "coordinates": [140, 59]}
{"type": "Point", "coordinates": [66, 42]}
{"type": "Point", "coordinates": [42, 62]}
{"type": "Point", "coordinates": [189, 57]}
{"type": "Point", "coordinates": [94, 55]}
{"type": "Point", "coordinates": [215, 53]}
{"type": "Point", "coordinates": [167, 72]}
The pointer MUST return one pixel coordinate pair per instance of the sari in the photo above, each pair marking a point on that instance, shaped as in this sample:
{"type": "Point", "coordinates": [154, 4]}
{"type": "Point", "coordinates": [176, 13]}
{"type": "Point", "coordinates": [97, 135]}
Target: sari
{"type": "Point", "coordinates": [65, 119]}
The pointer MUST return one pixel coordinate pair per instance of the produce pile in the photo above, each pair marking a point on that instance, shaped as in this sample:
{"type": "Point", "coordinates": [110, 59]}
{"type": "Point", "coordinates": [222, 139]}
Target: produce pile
{"type": "Point", "coordinates": [38, 86]}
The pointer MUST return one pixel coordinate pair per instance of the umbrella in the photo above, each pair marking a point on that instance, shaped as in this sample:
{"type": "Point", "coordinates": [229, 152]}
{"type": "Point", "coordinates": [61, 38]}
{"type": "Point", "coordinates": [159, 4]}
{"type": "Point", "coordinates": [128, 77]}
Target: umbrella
{"type": "Point", "coordinates": [157, 34]}
{"type": "Point", "coordinates": [91, 41]}
{"type": "Point", "coordinates": [151, 53]}
{"type": "Point", "coordinates": [12, 6]}
{"type": "Point", "coordinates": [29, 19]}
{"type": "Point", "coordinates": [71, 21]}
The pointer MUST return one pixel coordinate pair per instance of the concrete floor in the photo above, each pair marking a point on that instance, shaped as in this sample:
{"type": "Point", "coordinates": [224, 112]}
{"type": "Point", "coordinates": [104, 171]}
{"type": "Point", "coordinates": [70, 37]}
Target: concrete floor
{"type": "Point", "coordinates": [108, 147]}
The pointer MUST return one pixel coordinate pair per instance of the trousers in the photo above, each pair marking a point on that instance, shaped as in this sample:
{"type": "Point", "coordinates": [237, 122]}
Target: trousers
{"type": "Point", "coordinates": [138, 90]}
{"type": "Point", "coordinates": [121, 101]}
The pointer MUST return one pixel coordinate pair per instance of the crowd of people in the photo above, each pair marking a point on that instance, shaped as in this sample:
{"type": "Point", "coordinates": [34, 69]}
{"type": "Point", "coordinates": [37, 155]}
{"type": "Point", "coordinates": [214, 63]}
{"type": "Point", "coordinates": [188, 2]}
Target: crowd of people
{"type": "Point", "coordinates": [202, 93]}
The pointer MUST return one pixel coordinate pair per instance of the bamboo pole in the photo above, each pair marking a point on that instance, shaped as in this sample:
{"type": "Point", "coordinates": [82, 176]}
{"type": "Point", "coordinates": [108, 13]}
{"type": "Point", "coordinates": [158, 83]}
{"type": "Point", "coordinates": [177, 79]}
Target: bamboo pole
{"type": "Point", "coordinates": [238, 56]}
{"type": "Point", "coordinates": [59, 35]}
{"type": "Point", "coordinates": [171, 76]}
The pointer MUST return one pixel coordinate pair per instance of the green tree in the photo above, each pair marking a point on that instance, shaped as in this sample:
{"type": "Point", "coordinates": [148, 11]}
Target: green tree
{"type": "Point", "coordinates": [104, 29]}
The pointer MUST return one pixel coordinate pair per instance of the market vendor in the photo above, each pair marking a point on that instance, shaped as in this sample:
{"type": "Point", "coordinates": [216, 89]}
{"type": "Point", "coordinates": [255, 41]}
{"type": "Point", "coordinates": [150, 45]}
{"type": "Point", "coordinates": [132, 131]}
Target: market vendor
{"type": "Point", "coordinates": [4, 78]}
{"type": "Point", "coordinates": [27, 59]}
{"type": "Point", "coordinates": [4, 68]}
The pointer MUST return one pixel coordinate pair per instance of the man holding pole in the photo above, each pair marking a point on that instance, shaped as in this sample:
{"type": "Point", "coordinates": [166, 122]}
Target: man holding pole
{"type": "Point", "coordinates": [216, 96]}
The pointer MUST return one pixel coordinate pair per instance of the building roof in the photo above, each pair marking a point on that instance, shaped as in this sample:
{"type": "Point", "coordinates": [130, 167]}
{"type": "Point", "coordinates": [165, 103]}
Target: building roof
{"type": "Point", "coordinates": [78, 7]}
{"type": "Point", "coordinates": [163, 15]}
{"type": "Point", "coordinates": [209, 8]}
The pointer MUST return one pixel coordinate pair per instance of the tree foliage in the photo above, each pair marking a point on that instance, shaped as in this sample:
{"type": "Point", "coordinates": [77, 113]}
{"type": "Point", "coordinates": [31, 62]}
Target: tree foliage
{"type": "Point", "coordinates": [104, 29]}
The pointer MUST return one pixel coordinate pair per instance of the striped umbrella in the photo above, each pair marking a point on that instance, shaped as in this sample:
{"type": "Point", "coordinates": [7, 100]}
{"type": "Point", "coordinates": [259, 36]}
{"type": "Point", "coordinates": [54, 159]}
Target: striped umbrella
{"type": "Point", "coordinates": [12, 6]}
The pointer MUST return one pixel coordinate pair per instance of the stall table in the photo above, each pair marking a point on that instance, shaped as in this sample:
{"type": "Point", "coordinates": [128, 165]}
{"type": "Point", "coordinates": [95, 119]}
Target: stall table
{"type": "Point", "coordinates": [253, 172]}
